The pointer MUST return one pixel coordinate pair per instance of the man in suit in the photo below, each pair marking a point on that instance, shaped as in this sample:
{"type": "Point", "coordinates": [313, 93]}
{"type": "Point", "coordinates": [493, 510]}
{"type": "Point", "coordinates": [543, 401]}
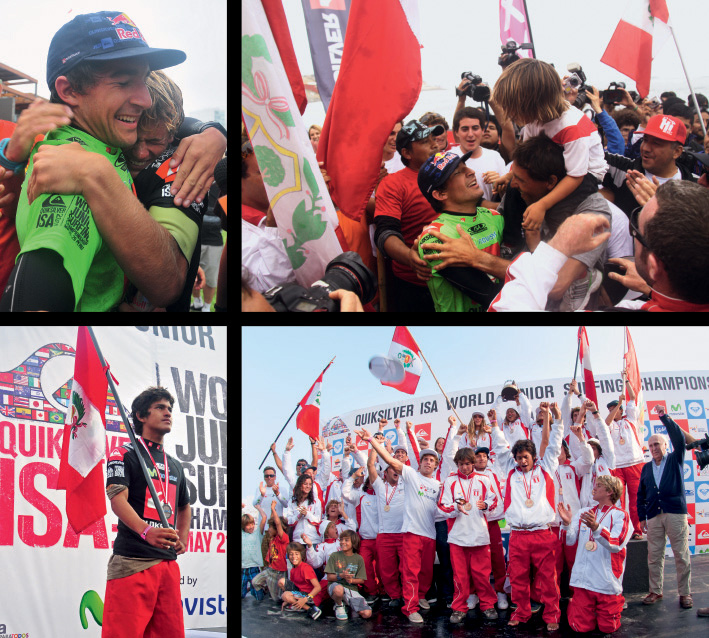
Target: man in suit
{"type": "Point", "coordinates": [662, 510]}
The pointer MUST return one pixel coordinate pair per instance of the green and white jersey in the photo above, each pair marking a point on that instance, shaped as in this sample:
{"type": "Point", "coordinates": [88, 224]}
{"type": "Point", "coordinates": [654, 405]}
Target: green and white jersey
{"type": "Point", "coordinates": [64, 224]}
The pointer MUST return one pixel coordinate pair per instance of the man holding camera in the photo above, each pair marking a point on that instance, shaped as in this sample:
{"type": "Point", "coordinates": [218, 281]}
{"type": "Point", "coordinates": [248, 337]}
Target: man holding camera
{"type": "Point", "coordinates": [663, 510]}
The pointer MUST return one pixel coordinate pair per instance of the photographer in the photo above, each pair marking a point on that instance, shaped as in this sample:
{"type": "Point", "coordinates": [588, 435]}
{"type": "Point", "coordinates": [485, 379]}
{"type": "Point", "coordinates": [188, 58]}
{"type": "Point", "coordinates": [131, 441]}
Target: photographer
{"type": "Point", "coordinates": [663, 511]}
{"type": "Point", "coordinates": [614, 140]}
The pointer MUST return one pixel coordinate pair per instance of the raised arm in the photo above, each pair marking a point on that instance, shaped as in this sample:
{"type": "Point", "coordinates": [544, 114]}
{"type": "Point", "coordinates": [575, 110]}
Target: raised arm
{"type": "Point", "coordinates": [277, 459]}
{"type": "Point", "coordinates": [381, 450]}
{"type": "Point", "coordinates": [546, 428]}
{"type": "Point", "coordinates": [372, 465]}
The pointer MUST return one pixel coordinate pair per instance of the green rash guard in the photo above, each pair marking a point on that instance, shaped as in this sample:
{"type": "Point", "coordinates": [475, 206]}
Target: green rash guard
{"type": "Point", "coordinates": [485, 228]}
{"type": "Point", "coordinates": [64, 224]}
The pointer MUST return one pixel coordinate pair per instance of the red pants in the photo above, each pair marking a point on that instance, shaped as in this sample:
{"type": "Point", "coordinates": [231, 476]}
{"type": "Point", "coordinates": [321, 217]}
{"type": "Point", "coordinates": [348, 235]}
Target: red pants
{"type": "Point", "coordinates": [147, 604]}
{"type": "Point", "coordinates": [471, 564]}
{"type": "Point", "coordinates": [390, 550]}
{"type": "Point", "coordinates": [497, 555]}
{"type": "Point", "coordinates": [588, 608]}
{"type": "Point", "coordinates": [527, 550]}
{"type": "Point", "coordinates": [368, 552]}
{"type": "Point", "coordinates": [630, 476]}
{"type": "Point", "coordinates": [417, 570]}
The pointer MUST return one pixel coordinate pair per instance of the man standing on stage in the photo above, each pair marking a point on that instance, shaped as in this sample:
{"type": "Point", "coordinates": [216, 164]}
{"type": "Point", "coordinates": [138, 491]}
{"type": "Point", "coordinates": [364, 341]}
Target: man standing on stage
{"type": "Point", "coordinates": [143, 589]}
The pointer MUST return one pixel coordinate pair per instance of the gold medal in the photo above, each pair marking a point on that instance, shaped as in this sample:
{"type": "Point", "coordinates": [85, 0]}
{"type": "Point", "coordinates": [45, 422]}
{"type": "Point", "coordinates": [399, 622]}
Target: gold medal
{"type": "Point", "coordinates": [622, 441]}
{"type": "Point", "coordinates": [590, 546]}
{"type": "Point", "coordinates": [386, 508]}
{"type": "Point", "coordinates": [529, 502]}
{"type": "Point", "coordinates": [468, 506]}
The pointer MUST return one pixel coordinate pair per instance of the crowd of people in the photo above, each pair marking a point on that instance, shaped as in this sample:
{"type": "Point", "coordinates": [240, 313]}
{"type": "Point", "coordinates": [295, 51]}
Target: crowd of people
{"type": "Point", "coordinates": [108, 198]}
{"type": "Point", "coordinates": [409, 524]}
{"type": "Point", "coordinates": [554, 196]}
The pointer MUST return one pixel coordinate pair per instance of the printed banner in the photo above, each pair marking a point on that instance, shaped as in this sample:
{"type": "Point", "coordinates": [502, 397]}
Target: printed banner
{"type": "Point", "coordinates": [326, 22]}
{"type": "Point", "coordinates": [304, 212]}
{"type": "Point", "coordinates": [684, 395]}
{"type": "Point", "coordinates": [55, 581]}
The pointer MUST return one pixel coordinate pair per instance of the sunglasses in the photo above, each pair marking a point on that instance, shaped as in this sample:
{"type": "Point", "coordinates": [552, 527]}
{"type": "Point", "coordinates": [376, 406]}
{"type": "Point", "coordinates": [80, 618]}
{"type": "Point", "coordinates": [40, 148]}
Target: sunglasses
{"type": "Point", "coordinates": [634, 230]}
{"type": "Point", "coordinates": [269, 476]}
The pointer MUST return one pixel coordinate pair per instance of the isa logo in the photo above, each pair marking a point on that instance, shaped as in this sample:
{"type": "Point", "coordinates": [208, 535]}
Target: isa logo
{"type": "Point", "coordinates": [660, 429]}
{"type": "Point", "coordinates": [687, 470]}
{"type": "Point", "coordinates": [702, 531]}
{"type": "Point", "coordinates": [702, 492]}
{"type": "Point", "coordinates": [391, 435]}
{"type": "Point", "coordinates": [338, 447]}
{"type": "Point", "coordinates": [652, 411]}
{"type": "Point", "coordinates": [695, 409]}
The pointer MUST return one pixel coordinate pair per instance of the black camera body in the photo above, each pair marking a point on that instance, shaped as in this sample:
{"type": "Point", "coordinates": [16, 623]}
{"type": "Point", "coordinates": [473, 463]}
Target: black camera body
{"type": "Point", "coordinates": [702, 455]}
{"type": "Point", "coordinates": [579, 82]}
{"type": "Point", "coordinates": [509, 52]}
{"type": "Point", "coordinates": [475, 91]}
{"type": "Point", "coordinates": [613, 94]}
{"type": "Point", "coordinates": [345, 271]}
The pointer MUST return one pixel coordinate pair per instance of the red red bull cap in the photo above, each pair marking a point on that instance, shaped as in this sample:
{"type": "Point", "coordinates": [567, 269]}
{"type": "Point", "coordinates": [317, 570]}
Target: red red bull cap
{"type": "Point", "coordinates": [105, 35]}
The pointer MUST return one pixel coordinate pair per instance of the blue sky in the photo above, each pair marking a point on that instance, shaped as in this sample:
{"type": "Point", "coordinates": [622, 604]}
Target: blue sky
{"type": "Point", "coordinates": [279, 364]}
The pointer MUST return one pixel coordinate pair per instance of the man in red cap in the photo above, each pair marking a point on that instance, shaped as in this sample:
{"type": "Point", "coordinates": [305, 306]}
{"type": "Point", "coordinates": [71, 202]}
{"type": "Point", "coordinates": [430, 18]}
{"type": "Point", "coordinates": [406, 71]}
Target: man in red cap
{"type": "Point", "coordinates": [660, 149]}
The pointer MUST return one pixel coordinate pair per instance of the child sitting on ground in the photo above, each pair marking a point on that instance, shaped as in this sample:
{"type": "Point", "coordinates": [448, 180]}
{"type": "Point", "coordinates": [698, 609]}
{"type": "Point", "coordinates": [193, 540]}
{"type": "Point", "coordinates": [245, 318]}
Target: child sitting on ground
{"type": "Point", "coordinates": [345, 571]}
{"type": "Point", "coordinates": [251, 558]}
{"type": "Point", "coordinates": [302, 585]}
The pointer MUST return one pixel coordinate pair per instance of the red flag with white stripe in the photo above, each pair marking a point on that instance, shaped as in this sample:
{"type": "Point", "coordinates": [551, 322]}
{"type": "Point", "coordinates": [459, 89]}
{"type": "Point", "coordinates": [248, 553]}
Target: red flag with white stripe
{"type": "Point", "coordinates": [631, 364]}
{"type": "Point", "coordinates": [308, 419]}
{"type": "Point", "coordinates": [84, 443]}
{"type": "Point", "coordinates": [585, 356]}
{"type": "Point", "coordinates": [641, 32]}
{"type": "Point", "coordinates": [405, 350]}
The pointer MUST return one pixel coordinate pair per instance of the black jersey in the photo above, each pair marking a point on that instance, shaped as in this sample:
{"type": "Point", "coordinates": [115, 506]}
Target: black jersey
{"type": "Point", "coordinates": [124, 469]}
{"type": "Point", "coordinates": [152, 186]}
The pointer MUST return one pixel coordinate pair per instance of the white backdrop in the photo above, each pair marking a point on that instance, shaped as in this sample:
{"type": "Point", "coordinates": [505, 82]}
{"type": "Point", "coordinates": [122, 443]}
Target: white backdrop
{"type": "Point", "coordinates": [50, 578]}
{"type": "Point", "coordinates": [684, 394]}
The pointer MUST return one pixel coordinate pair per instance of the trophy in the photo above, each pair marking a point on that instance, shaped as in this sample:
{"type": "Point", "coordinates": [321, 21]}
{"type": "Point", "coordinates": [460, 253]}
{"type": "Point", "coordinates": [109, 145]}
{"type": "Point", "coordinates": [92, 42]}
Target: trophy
{"type": "Point", "coordinates": [509, 391]}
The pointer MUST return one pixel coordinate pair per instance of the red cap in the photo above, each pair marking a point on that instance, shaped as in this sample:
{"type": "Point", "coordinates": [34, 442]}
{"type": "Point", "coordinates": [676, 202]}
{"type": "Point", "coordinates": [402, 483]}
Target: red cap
{"type": "Point", "coordinates": [666, 127]}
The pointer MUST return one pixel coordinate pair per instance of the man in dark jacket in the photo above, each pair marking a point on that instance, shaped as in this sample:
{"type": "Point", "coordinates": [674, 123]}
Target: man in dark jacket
{"type": "Point", "coordinates": [662, 510]}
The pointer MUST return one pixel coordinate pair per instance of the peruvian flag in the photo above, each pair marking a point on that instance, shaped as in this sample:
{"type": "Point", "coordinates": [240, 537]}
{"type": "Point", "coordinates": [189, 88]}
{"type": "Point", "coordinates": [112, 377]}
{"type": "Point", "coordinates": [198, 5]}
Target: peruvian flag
{"type": "Point", "coordinates": [641, 32]}
{"type": "Point", "coordinates": [585, 355]}
{"type": "Point", "coordinates": [308, 419]}
{"type": "Point", "coordinates": [378, 84]}
{"type": "Point", "coordinates": [84, 443]}
{"type": "Point", "coordinates": [631, 364]}
{"type": "Point", "coordinates": [405, 350]}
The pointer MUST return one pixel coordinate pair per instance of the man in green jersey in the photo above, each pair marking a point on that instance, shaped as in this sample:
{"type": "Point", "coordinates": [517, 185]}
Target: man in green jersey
{"type": "Point", "coordinates": [97, 64]}
{"type": "Point", "coordinates": [453, 191]}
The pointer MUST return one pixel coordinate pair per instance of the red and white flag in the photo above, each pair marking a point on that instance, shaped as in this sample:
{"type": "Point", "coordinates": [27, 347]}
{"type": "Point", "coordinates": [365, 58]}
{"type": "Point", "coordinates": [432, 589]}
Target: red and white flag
{"type": "Point", "coordinates": [585, 356]}
{"type": "Point", "coordinates": [631, 364]}
{"type": "Point", "coordinates": [308, 419]}
{"type": "Point", "coordinates": [641, 32]}
{"type": "Point", "coordinates": [381, 57]}
{"type": "Point", "coordinates": [514, 24]}
{"type": "Point", "coordinates": [84, 442]}
{"type": "Point", "coordinates": [405, 350]}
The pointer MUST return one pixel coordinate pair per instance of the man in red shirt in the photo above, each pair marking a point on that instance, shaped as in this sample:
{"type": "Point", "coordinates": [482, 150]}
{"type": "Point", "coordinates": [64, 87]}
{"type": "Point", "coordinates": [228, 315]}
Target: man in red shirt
{"type": "Point", "coordinates": [402, 212]}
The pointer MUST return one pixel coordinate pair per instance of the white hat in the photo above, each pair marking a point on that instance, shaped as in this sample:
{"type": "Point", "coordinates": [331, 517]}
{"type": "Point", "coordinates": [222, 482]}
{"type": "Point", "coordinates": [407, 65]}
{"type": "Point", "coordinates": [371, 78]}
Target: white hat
{"type": "Point", "coordinates": [428, 451]}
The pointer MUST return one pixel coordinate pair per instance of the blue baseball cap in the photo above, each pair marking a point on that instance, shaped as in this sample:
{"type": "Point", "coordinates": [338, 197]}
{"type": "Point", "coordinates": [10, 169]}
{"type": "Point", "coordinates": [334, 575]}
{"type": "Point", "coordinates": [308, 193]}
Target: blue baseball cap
{"type": "Point", "coordinates": [105, 35]}
{"type": "Point", "coordinates": [436, 170]}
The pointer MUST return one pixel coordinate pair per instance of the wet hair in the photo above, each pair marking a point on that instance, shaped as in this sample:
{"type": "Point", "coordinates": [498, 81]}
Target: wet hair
{"type": "Point", "coordinates": [524, 445]}
{"type": "Point", "coordinates": [296, 547]}
{"type": "Point", "coordinates": [299, 486]}
{"type": "Point", "coordinates": [167, 103]}
{"type": "Point", "coordinates": [431, 119]}
{"type": "Point", "coordinates": [530, 90]}
{"type": "Point", "coordinates": [469, 112]}
{"type": "Point", "coordinates": [353, 536]}
{"type": "Point", "coordinates": [541, 158]}
{"type": "Point", "coordinates": [464, 454]}
{"type": "Point", "coordinates": [246, 519]}
{"type": "Point", "coordinates": [612, 484]}
{"type": "Point", "coordinates": [682, 207]}
{"type": "Point", "coordinates": [141, 405]}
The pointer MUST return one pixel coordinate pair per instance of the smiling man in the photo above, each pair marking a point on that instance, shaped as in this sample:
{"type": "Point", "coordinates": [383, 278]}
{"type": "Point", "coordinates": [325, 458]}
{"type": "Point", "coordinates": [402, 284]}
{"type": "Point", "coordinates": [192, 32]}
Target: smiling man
{"type": "Point", "coordinates": [97, 64]}
{"type": "Point", "coordinates": [453, 191]}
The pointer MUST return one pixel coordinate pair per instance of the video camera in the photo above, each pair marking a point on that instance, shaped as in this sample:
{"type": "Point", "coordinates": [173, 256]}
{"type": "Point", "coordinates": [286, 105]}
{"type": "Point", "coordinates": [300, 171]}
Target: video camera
{"type": "Point", "coordinates": [702, 455]}
{"type": "Point", "coordinates": [613, 94]}
{"type": "Point", "coordinates": [346, 271]}
{"type": "Point", "coordinates": [509, 52]}
{"type": "Point", "coordinates": [577, 80]}
{"type": "Point", "coordinates": [474, 90]}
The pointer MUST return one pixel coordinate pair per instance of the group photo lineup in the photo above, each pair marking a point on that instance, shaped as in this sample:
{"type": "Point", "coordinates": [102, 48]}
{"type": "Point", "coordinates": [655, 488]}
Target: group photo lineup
{"type": "Point", "coordinates": [488, 156]}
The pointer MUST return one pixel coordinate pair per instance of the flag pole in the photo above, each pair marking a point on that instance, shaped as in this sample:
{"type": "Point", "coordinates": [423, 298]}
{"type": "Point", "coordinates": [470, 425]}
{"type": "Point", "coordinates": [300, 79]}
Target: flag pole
{"type": "Point", "coordinates": [578, 350]}
{"type": "Point", "coordinates": [291, 416]}
{"type": "Point", "coordinates": [131, 434]}
{"type": "Point", "coordinates": [529, 25]}
{"type": "Point", "coordinates": [691, 90]}
{"type": "Point", "coordinates": [439, 385]}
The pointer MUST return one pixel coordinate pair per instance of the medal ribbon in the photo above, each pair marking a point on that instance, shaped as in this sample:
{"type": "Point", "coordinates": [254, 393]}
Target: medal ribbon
{"type": "Point", "coordinates": [387, 498]}
{"type": "Point", "coordinates": [561, 494]}
{"type": "Point", "coordinates": [467, 496]}
{"type": "Point", "coordinates": [163, 486]}
{"type": "Point", "coordinates": [528, 492]}
{"type": "Point", "coordinates": [595, 511]}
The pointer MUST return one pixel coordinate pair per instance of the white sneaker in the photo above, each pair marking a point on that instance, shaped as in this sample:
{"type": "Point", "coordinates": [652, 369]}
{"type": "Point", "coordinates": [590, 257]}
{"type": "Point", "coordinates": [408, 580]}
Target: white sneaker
{"type": "Point", "coordinates": [579, 292]}
{"type": "Point", "coordinates": [502, 600]}
{"type": "Point", "coordinates": [473, 601]}
{"type": "Point", "coordinates": [415, 617]}
{"type": "Point", "coordinates": [340, 612]}
{"type": "Point", "coordinates": [424, 604]}
{"type": "Point", "coordinates": [206, 308]}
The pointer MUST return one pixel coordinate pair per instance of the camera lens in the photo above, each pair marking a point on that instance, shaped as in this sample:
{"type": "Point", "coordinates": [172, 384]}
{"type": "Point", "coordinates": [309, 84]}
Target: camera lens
{"type": "Point", "coordinates": [347, 271]}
